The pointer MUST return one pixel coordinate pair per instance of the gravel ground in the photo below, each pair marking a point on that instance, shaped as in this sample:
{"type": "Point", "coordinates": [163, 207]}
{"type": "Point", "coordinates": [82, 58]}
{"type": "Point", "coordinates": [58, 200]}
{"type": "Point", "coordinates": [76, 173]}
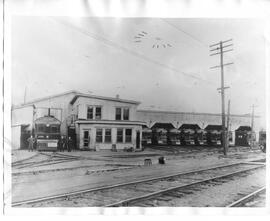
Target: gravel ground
{"type": "Point", "coordinates": [73, 176]}
{"type": "Point", "coordinates": [216, 195]}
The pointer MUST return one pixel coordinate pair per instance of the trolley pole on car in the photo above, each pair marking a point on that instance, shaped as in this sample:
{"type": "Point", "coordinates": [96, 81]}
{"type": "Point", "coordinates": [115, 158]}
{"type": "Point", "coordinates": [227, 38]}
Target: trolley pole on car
{"type": "Point", "coordinates": [218, 49]}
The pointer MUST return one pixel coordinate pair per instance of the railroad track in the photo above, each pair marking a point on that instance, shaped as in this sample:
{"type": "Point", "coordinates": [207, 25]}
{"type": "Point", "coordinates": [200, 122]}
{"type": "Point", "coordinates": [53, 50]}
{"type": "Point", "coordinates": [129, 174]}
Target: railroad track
{"type": "Point", "coordinates": [128, 194]}
{"type": "Point", "coordinates": [242, 202]}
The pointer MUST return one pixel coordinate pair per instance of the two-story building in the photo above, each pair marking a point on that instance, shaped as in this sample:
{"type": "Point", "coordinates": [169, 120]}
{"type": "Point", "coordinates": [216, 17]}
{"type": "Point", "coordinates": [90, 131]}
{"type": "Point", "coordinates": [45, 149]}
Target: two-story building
{"type": "Point", "coordinates": [93, 122]}
{"type": "Point", "coordinates": [102, 121]}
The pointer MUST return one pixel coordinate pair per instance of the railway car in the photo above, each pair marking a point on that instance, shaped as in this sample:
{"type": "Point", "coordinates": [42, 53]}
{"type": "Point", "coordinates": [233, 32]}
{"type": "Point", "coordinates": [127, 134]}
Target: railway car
{"type": "Point", "coordinates": [146, 136]}
{"type": "Point", "coordinates": [188, 137]}
{"type": "Point", "coordinates": [262, 140]}
{"type": "Point", "coordinates": [214, 135]}
{"type": "Point", "coordinates": [201, 137]}
{"type": "Point", "coordinates": [161, 136]}
{"type": "Point", "coordinates": [174, 137]}
{"type": "Point", "coordinates": [188, 133]}
{"type": "Point", "coordinates": [47, 133]}
{"type": "Point", "coordinates": [243, 136]}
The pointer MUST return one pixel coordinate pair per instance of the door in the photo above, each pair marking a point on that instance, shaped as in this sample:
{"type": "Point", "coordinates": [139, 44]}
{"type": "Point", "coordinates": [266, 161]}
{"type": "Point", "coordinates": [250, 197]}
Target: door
{"type": "Point", "coordinates": [86, 138]}
{"type": "Point", "coordinates": [138, 140]}
{"type": "Point", "coordinates": [25, 134]}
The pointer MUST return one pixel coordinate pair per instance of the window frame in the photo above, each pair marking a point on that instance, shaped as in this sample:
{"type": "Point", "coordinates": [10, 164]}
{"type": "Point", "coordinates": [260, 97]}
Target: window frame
{"type": "Point", "coordinates": [94, 112]}
{"type": "Point", "coordinates": [117, 135]}
{"type": "Point", "coordinates": [128, 112]}
{"type": "Point", "coordinates": [90, 107]}
{"type": "Point", "coordinates": [98, 130]}
{"type": "Point", "coordinates": [106, 136]}
{"type": "Point", "coordinates": [118, 108]}
{"type": "Point", "coordinates": [128, 141]}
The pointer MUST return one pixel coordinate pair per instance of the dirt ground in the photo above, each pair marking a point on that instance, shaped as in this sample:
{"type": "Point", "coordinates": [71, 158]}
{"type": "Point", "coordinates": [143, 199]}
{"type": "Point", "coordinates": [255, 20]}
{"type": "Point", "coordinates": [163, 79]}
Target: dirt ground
{"type": "Point", "coordinates": [102, 168]}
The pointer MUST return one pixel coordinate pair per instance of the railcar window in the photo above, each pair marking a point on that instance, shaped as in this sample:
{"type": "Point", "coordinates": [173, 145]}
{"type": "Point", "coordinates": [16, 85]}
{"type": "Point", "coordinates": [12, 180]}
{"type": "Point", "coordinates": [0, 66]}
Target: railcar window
{"type": "Point", "coordinates": [54, 129]}
{"type": "Point", "coordinates": [41, 128]}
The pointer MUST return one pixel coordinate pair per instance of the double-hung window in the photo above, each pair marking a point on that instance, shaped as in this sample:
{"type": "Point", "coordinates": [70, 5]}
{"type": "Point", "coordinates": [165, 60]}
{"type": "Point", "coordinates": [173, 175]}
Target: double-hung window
{"type": "Point", "coordinates": [98, 113]}
{"type": "Point", "coordinates": [108, 135]}
{"type": "Point", "coordinates": [119, 135]}
{"type": "Point", "coordinates": [121, 113]}
{"type": "Point", "coordinates": [128, 135]}
{"type": "Point", "coordinates": [99, 135]}
{"type": "Point", "coordinates": [94, 113]}
{"type": "Point", "coordinates": [126, 114]}
{"type": "Point", "coordinates": [118, 113]}
{"type": "Point", "coordinates": [90, 113]}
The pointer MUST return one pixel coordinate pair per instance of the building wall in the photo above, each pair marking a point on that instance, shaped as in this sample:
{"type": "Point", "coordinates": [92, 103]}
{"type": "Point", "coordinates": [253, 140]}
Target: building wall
{"type": "Point", "coordinates": [94, 145]}
{"type": "Point", "coordinates": [108, 108]}
{"type": "Point", "coordinates": [202, 119]}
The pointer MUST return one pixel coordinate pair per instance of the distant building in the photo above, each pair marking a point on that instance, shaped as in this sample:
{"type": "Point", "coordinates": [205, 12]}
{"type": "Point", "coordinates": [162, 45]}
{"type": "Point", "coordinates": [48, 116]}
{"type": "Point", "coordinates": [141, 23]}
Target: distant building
{"type": "Point", "coordinates": [97, 122]}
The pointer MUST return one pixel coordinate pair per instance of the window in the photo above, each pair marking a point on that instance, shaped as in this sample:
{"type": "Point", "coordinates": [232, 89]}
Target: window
{"type": "Point", "coordinates": [90, 113]}
{"type": "Point", "coordinates": [54, 129]}
{"type": "Point", "coordinates": [108, 135]}
{"type": "Point", "coordinates": [118, 114]}
{"type": "Point", "coordinates": [119, 135]}
{"type": "Point", "coordinates": [40, 128]}
{"type": "Point", "coordinates": [126, 114]}
{"type": "Point", "coordinates": [99, 135]}
{"type": "Point", "coordinates": [86, 138]}
{"type": "Point", "coordinates": [98, 113]}
{"type": "Point", "coordinates": [128, 135]}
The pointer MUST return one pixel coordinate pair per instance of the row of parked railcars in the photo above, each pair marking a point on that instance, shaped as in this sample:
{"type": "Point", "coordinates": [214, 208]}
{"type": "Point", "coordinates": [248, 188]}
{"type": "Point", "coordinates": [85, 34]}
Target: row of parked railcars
{"type": "Point", "coordinates": [187, 134]}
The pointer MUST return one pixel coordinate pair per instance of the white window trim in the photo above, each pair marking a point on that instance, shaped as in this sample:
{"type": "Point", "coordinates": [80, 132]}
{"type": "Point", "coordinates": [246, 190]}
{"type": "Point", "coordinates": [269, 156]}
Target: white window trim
{"type": "Point", "coordinates": [122, 112]}
{"type": "Point", "coordinates": [94, 111]}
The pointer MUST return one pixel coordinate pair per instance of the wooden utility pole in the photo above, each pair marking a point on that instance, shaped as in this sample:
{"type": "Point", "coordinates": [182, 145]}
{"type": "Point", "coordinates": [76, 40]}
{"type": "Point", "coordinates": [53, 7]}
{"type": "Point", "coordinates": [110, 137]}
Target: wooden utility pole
{"type": "Point", "coordinates": [252, 125]}
{"type": "Point", "coordinates": [218, 49]}
{"type": "Point", "coordinates": [228, 125]}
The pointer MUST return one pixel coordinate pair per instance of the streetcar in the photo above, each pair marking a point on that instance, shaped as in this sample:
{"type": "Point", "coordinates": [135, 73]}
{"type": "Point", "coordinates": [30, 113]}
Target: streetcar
{"type": "Point", "coordinates": [188, 137]}
{"type": "Point", "coordinates": [146, 136]}
{"type": "Point", "coordinates": [161, 136]}
{"type": "Point", "coordinates": [201, 137]}
{"type": "Point", "coordinates": [174, 137]}
{"type": "Point", "coordinates": [47, 133]}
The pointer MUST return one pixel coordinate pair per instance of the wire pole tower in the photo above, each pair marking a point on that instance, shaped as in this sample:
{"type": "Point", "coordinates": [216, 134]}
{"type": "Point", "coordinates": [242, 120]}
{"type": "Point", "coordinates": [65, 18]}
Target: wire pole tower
{"type": "Point", "coordinates": [218, 49]}
{"type": "Point", "coordinates": [252, 126]}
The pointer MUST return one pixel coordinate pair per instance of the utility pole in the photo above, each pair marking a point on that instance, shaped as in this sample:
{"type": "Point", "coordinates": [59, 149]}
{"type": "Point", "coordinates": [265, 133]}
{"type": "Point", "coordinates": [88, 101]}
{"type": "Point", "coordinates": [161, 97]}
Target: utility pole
{"type": "Point", "coordinates": [218, 49]}
{"type": "Point", "coordinates": [228, 124]}
{"type": "Point", "coordinates": [252, 125]}
{"type": "Point", "coordinates": [24, 98]}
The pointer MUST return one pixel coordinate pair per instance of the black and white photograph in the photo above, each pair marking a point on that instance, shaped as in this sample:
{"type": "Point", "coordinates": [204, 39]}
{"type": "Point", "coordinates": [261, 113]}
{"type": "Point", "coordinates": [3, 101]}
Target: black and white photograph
{"type": "Point", "coordinates": [137, 111]}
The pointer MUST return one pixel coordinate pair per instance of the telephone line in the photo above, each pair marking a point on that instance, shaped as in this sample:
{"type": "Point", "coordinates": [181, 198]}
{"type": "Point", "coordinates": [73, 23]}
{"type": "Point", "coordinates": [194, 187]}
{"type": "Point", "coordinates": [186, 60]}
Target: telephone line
{"type": "Point", "coordinates": [113, 44]}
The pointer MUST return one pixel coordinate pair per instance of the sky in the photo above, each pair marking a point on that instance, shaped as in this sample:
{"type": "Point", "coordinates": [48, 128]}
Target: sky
{"type": "Point", "coordinates": [100, 56]}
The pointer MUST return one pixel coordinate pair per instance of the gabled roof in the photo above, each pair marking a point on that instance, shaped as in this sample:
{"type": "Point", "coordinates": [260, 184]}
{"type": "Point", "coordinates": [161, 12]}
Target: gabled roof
{"type": "Point", "coordinates": [102, 98]}
{"type": "Point", "coordinates": [30, 103]}
{"type": "Point", "coordinates": [47, 120]}
{"type": "Point", "coordinates": [189, 126]}
{"type": "Point", "coordinates": [213, 127]}
{"type": "Point", "coordinates": [166, 126]}
{"type": "Point", "coordinates": [244, 128]}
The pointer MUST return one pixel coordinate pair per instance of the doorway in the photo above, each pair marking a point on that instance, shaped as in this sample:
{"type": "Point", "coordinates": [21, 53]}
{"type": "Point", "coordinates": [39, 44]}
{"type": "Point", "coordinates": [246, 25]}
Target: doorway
{"type": "Point", "coordinates": [138, 140]}
{"type": "Point", "coordinates": [86, 139]}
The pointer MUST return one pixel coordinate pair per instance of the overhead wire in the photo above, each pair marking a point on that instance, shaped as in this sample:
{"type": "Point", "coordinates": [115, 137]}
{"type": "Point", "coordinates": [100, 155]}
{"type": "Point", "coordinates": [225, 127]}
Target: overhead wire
{"type": "Point", "coordinates": [110, 43]}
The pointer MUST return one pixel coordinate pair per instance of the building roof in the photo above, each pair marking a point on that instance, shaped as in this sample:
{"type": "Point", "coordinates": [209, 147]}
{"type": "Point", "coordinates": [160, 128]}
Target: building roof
{"type": "Point", "coordinates": [190, 127]}
{"type": "Point", "coordinates": [166, 126]}
{"type": "Point", "coordinates": [102, 98]}
{"type": "Point", "coordinates": [47, 120]}
{"type": "Point", "coordinates": [30, 103]}
{"type": "Point", "coordinates": [76, 96]}
{"type": "Point", "coordinates": [213, 127]}
{"type": "Point", "coordinates": [192, 113]}
{"type": "Point", "coordinates": [244, 128]}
